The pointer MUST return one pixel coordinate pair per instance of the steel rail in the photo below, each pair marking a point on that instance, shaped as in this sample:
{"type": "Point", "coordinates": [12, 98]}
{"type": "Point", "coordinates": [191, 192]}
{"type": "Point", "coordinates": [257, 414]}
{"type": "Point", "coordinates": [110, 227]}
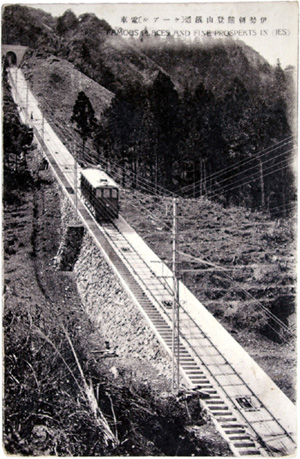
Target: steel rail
{"type": "Point", "coordinates": [240, 440]}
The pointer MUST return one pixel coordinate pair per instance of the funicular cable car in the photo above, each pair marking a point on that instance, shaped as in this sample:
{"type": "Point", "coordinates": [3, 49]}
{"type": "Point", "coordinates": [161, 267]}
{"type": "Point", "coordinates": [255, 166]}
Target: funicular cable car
{"type": "Point", "coordinates": [101, 192]}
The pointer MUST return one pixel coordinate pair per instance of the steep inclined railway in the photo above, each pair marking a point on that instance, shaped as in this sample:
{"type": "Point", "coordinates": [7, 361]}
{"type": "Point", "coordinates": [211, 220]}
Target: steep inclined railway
{"type": "Point", "coordinates": [251, 413]}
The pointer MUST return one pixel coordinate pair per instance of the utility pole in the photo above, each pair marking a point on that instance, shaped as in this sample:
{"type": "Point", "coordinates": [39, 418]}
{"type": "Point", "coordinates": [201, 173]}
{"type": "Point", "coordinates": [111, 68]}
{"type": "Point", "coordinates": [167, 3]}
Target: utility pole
{"type": "Point", "coordinates": [262, 184]}
{"type": "Point", "coordinates": [175, 309]}
{"type": "Point", "coordinates": [75, 178]}
{"type": "Point", "coordinates": [200, 182]}
{"type": "Point", "coordinates": [43, 126]}
{"type": "Point", "coordinates": [27, 114]}
{"type": "Point", "coordinates": [156, 170]}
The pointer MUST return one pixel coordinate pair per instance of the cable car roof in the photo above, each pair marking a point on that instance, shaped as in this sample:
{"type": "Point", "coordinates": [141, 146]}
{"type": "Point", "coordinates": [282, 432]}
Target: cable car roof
{"type": "Point", "coordinates": [98, 178]}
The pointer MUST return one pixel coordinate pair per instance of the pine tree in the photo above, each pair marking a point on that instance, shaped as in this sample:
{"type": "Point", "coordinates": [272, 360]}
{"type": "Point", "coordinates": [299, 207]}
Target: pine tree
{"type": "Point", "coordinates": [166, 108]}
{"type": "Point", "coordinates": [66, 22]}
{"type": "Point", "coordinates": [84, 117]}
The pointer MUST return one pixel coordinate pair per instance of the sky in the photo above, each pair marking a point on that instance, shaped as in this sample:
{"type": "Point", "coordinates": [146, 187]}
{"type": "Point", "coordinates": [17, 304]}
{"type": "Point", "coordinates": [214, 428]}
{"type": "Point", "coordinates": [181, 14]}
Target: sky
{"type": "Point", "coordinates": [270, 27]}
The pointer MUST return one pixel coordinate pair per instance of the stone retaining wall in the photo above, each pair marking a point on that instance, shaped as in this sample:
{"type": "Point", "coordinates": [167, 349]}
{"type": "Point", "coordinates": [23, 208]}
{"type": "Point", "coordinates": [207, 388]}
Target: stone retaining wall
{"type": "Point", "coordinates": [109, 306]}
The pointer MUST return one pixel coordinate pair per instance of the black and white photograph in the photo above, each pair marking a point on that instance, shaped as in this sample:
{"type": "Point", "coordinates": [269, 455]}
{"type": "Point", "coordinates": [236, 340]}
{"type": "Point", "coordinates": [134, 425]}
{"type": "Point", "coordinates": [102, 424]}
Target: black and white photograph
{"type": "Point", "coordinates": [149, 229]}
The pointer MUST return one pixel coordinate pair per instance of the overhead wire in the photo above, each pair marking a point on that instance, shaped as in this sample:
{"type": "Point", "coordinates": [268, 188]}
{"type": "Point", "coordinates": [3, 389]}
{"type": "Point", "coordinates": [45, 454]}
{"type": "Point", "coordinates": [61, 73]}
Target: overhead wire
{"type": "Point", "coordinates": [255, 166]}
{"type": "Point", "coordinates": [267, 311]}
{"type": "Point", "coordinates": [247, 160]}
{"type": "Point", "coordinates": [145, 188]}
{"type": "Point", "coordinates": [147, 185]}
{"type": "Point", "coordinates": [139, 179]}
{"type": "Point", "coordinates": [142, 183]}
{"type": "Point", "coordinates": [242, 162]}
{"type": "Point", "coordinates": [252, 178]}
{"type": "Point", "coordinates": [236, 392]}
{"type": "Point", "coordinates": [143, 202]}
{"type": "Point", "coordinates": [267, 150]}
{"type": "Point", "coordinates": [258, 173]}
{"type": "Point", "coordinates": [216, 363]}
{"type": "Point", "coordinates": [226, 377]}
{"type": "Point", "coordinates": [267, 174]}
{"type": "Point", "coordinates": [154, 217]}
{"type": "Point", "coordinates": [272, 316]}
{"type": "Point", "coordinates": [143, 198]}
{"type": "Point", "coordinates": [258, 419]}
{"type": "Point", "coordinates": [292, 205]}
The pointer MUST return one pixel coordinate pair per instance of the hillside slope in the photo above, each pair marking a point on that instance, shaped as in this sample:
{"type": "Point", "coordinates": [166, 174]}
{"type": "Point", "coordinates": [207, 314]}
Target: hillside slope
{"type": "Point", "coordinates": [86, 42]}
{"type": "Point", "coordinates": [236, 262]}
{"type": "Point", "coordinates": [45, 410]}
{"type": "Point", "coordinates": [240, 264]}
{"type": "Point", "coordinates": [53, 345]}
{"type": "Point", "coordinates": [90, 44]}
{"type": "Point", "coordinates": [215, 63]}
{"type": "Point", "coordinates": [57, 82]}
{"type": "Point", "coordinates": [232, 250]}
{"type": "Point", "coordinates": [28, 27]}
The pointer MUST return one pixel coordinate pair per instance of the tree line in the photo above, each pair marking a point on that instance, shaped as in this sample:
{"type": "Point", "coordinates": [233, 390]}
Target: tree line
{"type": "Point", "coordinates": [209, 120]}
{"type": "Point", "coordinates": [236, 149]}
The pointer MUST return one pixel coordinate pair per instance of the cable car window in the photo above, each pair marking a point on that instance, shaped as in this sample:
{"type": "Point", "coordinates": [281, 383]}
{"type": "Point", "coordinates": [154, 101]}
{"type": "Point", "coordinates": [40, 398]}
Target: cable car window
{"type": "Point", "coordinates": [114, 193]}
{"type": "Point", "coordinates": [99, 193]}
{"type": "Point", "coordinates": [106, 193]}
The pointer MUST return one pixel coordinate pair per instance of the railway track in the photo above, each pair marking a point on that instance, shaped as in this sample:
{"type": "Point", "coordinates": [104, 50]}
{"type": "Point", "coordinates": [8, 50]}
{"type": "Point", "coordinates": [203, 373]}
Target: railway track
{"type": "Point", "coordinates": [240, 415]}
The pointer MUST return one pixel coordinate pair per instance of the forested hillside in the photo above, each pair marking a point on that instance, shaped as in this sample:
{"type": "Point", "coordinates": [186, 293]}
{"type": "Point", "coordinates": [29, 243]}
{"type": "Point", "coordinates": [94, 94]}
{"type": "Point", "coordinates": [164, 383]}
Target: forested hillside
{"type": "Point", "coordinates": [46, 411]}
{"type": "Point", "coordinates": [211, 118]}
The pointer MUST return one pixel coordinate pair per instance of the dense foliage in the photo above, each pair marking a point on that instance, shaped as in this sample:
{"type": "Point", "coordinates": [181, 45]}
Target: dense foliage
{"type": "Point", "coordinates": [236, 149]}
{"type": "Point", "coordinates": [47, 413]}
{"type": "Point", "coordinates": [17, 139]}
{"type": "Point", "coordinates": [209, 118]}
{"type": "Point", "coordinates": [28, 27]}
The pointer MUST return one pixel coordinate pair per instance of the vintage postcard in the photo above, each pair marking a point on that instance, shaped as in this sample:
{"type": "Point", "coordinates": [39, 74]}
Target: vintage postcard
{"type": "Point", "coordinates": [149, 201]}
